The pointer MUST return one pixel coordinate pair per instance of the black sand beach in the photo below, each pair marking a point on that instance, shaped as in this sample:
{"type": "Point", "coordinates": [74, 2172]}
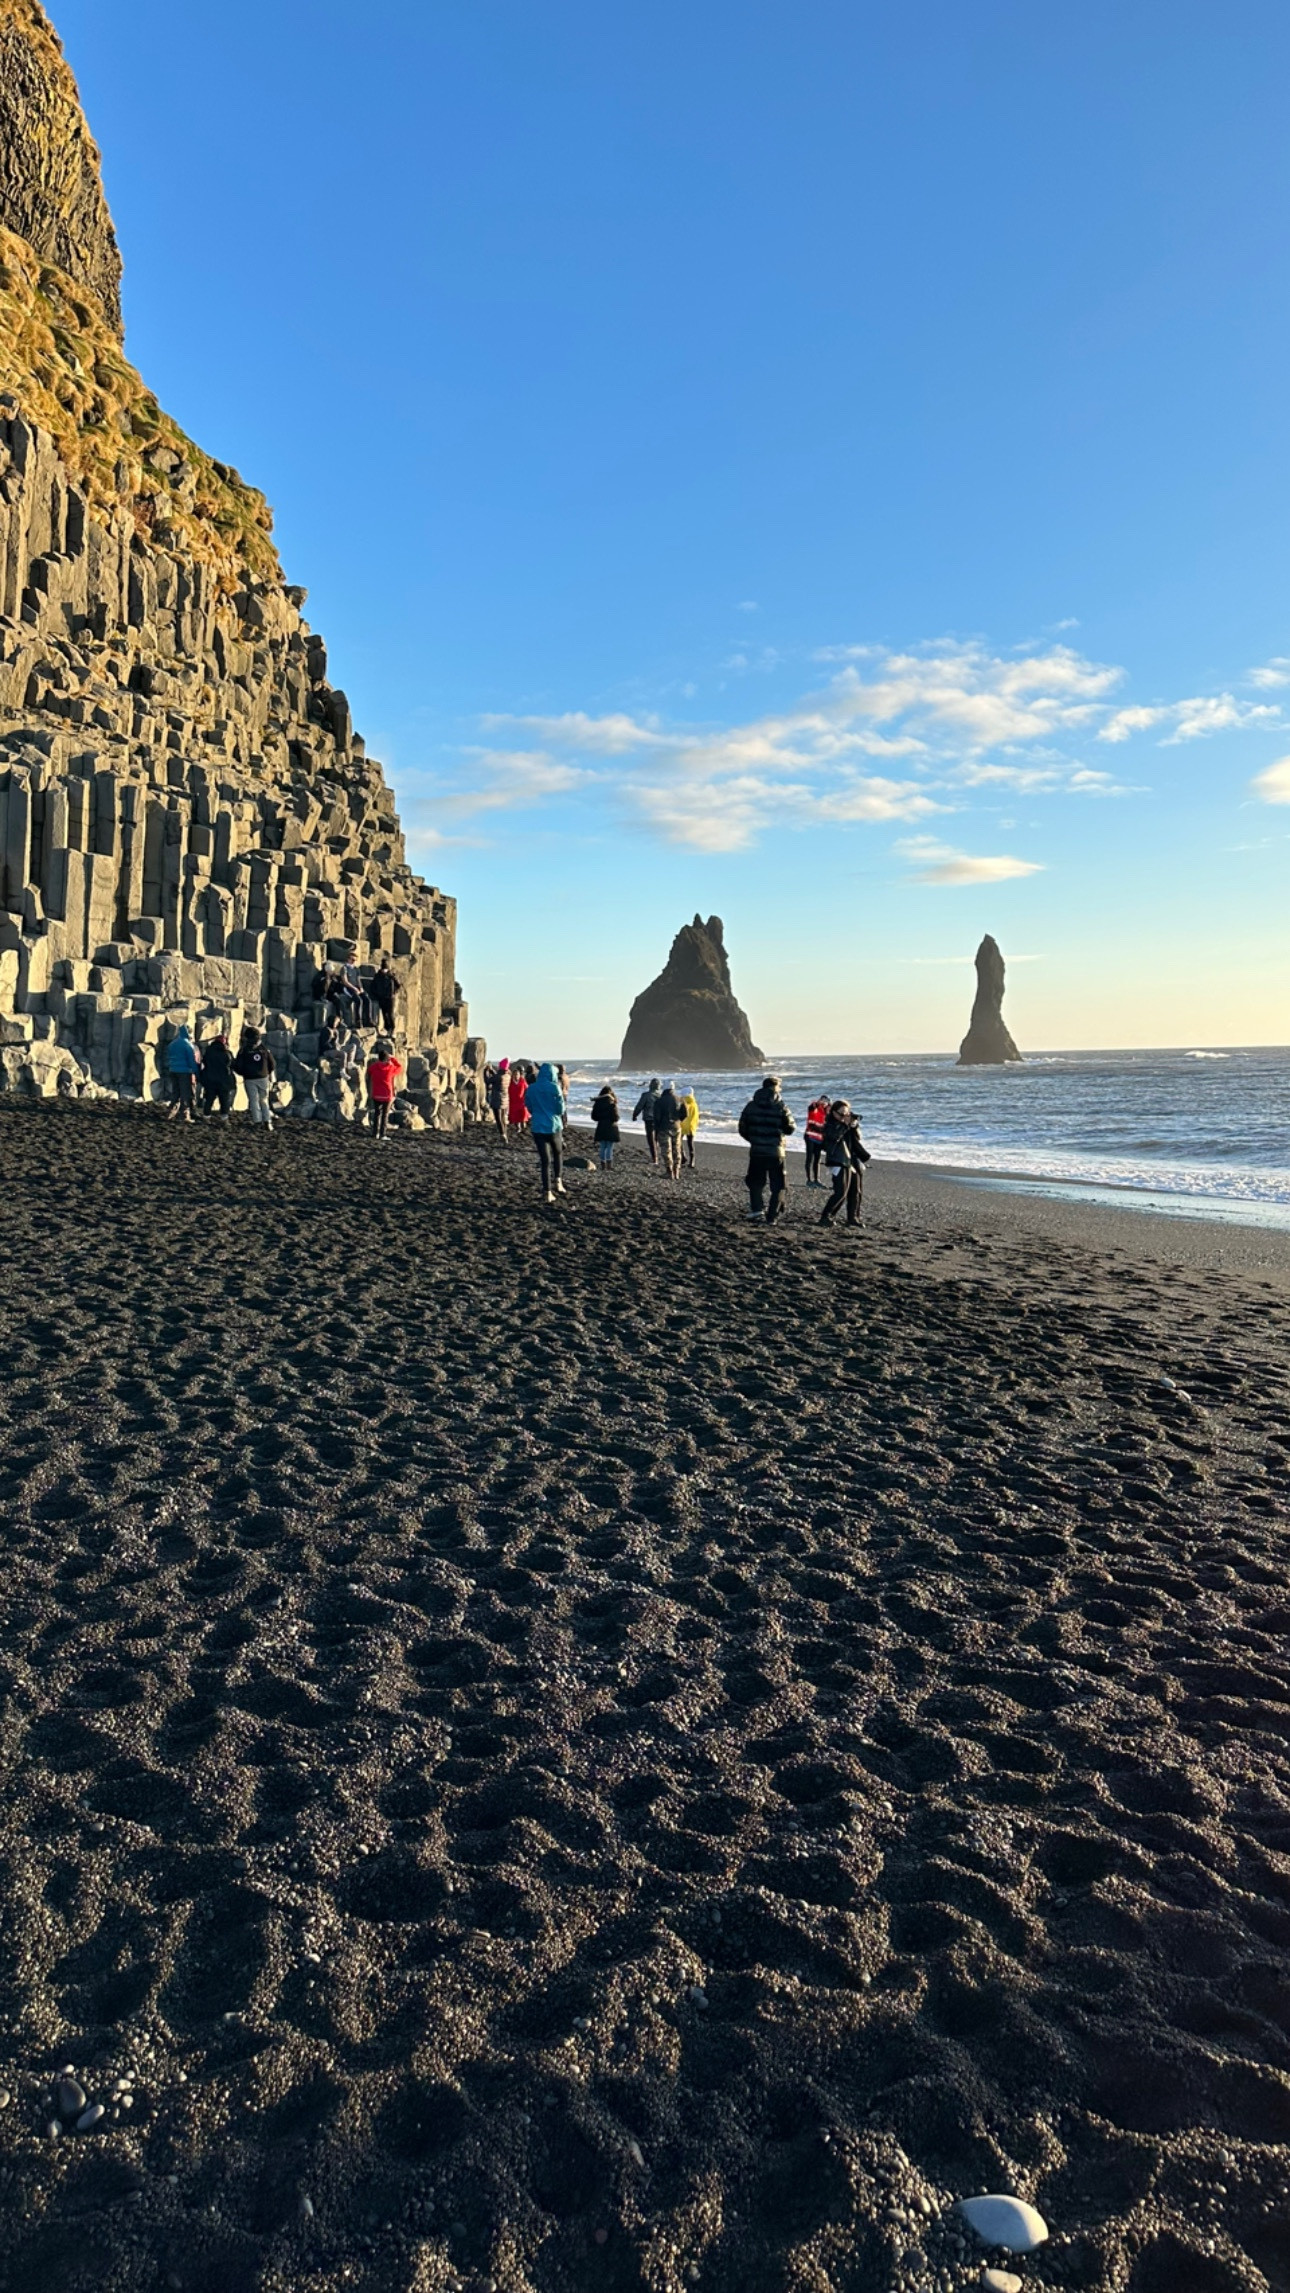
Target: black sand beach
{"type": "Point", "coordinates": [613, 1748]}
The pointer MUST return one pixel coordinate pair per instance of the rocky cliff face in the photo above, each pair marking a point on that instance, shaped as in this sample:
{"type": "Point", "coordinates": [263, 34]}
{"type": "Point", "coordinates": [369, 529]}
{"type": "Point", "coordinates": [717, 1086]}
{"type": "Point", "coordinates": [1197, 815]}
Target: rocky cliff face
{"type": "Point", "coordinates": [51, 194]}
{"type": "Point", "coordinates": [987, 1042]}
{"type": "Point", "coordinates": [688, 1016]}
{"type": "Point", "coordinates": [189, 825]}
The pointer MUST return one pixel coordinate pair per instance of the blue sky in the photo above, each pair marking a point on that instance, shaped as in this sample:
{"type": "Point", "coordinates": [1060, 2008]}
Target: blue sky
{"type": "Point", "coordinates": [827, 465]}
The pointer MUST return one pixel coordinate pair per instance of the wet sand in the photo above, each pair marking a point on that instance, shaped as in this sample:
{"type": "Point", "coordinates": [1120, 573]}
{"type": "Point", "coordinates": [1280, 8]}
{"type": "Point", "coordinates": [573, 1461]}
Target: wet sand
{"type": "Point", "coordinates": [612, 1748]}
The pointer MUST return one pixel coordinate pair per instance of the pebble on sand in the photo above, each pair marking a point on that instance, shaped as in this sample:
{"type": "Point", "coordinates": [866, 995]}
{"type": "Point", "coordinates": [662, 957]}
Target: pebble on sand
{"type": "Point", "coordinates": [90, 2117]}
{"type": "Point", "coordinates": [999, 2281]}
{"type": "Point", "coordinates": [1005, 2221]}
{"type": "Point", "coordinates": [70, 2097]}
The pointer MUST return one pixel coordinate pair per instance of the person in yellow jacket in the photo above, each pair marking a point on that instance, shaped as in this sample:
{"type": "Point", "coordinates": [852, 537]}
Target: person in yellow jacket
{"type": "Point", "coordinates": [689, 1125]}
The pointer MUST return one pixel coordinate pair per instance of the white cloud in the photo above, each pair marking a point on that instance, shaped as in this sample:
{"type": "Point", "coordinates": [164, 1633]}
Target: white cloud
{"type": "Point", "coordinates": [941, 864]}
{"type": "Point", "coordinates": [1217, 712]}
{"type": "Point", "coordinates": [747, 605]}
{"type": "Point", "coordinates": [1273, 786]}
{"type": "Point", "coordinates": [956, 719]}
{"type": "Point", "coordinates": [1272, 673]}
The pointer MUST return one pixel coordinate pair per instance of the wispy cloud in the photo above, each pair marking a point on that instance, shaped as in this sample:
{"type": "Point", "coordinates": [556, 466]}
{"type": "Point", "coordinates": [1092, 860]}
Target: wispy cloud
{"type": "Point", "coordinates": [1273, 786]}
{"type": "Point", "coordinates": [1272, 674]}
{"type": "Point", "coordinates": [941, 864]}
{"type": "Point", "coordinates": [887, 736]}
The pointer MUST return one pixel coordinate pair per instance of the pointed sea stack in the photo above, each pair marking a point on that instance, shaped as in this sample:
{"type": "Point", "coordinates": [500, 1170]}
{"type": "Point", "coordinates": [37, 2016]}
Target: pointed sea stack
{"type": "Point", "coordinates": [189, 825]}
{"type": "Point", "coordinates": [987, 1042]}
{"type": "Point", "coordinates": [688, 1016]}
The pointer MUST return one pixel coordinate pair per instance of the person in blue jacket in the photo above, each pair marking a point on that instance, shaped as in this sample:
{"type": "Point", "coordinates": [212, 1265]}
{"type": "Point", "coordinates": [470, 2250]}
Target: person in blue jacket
{"type": "Point", "coordinates": [546, 1108]}
{"type": "Point", "coordinates": [183, 1064]}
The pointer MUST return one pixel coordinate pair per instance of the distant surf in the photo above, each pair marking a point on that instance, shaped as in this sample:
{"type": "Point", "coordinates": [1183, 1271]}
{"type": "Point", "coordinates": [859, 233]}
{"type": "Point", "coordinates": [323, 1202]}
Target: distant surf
{"type": "Point", "coordinates": [1198, 1124]}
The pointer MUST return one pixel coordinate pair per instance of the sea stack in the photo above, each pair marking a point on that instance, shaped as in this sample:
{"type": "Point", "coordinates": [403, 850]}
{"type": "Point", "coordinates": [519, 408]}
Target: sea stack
{"type": "Point", "coordinates": [688, 1016]}
{"type": "Point", "coordinates": [190, 827]}
{"type": "Point", "coordinates": [987, 1042]}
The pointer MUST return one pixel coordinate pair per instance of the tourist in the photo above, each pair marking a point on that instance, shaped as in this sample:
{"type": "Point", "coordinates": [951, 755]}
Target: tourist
{"type": "Point", "coordinates": [383, 987]}
{"type": "Point", "coordinates": [218, 1079]}
{"type": "Point", "coordinates": [546, 1107]}
{"type": "Point", "coordinates": [643, 1112]}
{"type": "Point", "coordinates": [383, 1072]}
{"type": "Point", "coordinates": [689, 1124]}
{"type": "Point", "coordinates": [356, 985]}
{"type": "Point", "coordinates": [183, 1065]}
{"type": "Point", "coordinates": [765, 1123]}
{"type": "Point", "coordinates": [255, 1064]}
{"type": "Point", "coordinates": [516, 1097]}
{"type": "Point", "coordinates": [817, 1114]}
{"type": "Point", "coordinates": [337, 991]}
{"type": "Point", "coordinates": [495, 1095]}
{"type": "Point", "coordinates": [667, 1131]}
{"type": "Point", "coordinates": [604, 1114]}
{"type": "Point", "coordinates": [845, 1155]}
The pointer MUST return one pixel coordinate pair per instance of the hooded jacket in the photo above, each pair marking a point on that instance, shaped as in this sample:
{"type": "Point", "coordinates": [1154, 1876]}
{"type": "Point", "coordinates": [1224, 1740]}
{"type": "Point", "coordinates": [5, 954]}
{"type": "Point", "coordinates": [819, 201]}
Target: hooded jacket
{"type": "Point", "coordinates": [182, 1055]}
{"type": "Point", "coordinates": [646, 1107]}
{"type": "Point", "coordinates": [844, 1149]}
{"type": "Point", "coordinates": [689, 1115]}
{"type": "Point", "coordinates": [667, 1111]}
{"type": "Point", "coordinates": [766, 1122]}
{"type": "Point", "coordinates": [604, 1114]}
{"type": "Point", "coordinates": [217, 1065]}
{"type": "Point", "coordinates": [546, 1102]}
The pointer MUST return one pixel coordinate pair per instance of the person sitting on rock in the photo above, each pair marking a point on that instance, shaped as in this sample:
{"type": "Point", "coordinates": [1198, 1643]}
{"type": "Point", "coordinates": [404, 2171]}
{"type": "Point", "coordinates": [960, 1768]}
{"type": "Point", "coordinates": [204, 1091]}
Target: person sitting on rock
{"type": "Point", "coordinates": [256, 1065]}
{"type": "Point", "coordinates": [337, 991]}
{"type": "Point", "coordinates": [357, 986]}
{"type": "Point", "coordinates": [383, 1072]}
{"type": "Point", "coordinates": [667, 1131]}
{"type": "Point", "coordinates": [218, 1079]}
{"type": "Point", "coordinates": [382, 988]}
{"type": "Point", "coordinates": [604, 1114]}
{"type": "Point", "coordinates": [689, 1125]}
{"type": "Point", "coordinates": [765, 1123]}
{"type": "Point", "coordinates": [183, 1065]}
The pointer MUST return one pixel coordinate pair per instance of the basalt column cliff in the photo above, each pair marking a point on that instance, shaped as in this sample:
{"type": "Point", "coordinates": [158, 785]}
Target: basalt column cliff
{"type": "Point", "coordinates": [189, 826]}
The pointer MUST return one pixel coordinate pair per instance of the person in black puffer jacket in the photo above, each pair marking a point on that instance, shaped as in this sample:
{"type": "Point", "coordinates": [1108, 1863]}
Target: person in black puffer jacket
{"type": "Point", "coordinates": [604, 1114]}
{"type": "Point", "coordinates": [765, 1123]}
{"type": "Point", "coordinates": [846, 1154]}
{"type": "Point", "coordinates": [218, 1081]}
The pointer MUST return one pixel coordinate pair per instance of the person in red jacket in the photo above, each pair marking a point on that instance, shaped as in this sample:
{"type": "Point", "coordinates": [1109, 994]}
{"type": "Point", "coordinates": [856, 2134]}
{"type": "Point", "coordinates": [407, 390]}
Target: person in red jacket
{"type": "Point", "coordinates": [517, 1091]}
{"type": "Point", "coordinates": [817, 1114]}
{"type": "Point", "coordinates": [383, 1072]}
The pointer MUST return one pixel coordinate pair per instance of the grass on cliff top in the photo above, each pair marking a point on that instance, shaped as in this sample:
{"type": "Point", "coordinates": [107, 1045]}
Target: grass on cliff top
{"type": "Point", "coordinates": [62, 362]}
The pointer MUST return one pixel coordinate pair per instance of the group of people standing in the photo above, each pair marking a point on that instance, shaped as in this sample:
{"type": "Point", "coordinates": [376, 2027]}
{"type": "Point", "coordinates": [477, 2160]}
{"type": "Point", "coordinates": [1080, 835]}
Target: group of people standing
{"type": "Point", "coordinates": [521, 1096]}
{"type": "Point", "coordinates": [668, 1116]}
{"type": "Point", "coordinates": [363, 1000]}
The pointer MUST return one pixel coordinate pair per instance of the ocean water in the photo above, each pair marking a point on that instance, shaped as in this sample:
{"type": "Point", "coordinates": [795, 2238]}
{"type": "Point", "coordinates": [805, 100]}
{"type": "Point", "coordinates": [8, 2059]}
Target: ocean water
{"type": "Point", "coordinates": [1183, 1127]}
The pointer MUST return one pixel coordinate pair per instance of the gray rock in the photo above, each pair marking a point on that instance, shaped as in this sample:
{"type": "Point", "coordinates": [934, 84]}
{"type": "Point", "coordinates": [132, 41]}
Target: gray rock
{"type": "Point", "coordinates": [70, 2097]}
{"type": "Point", "coordinates": [1005, 2221]}
{"type": "Point", "coordinates": [688, 1016]}
{"type": "Point", "coordinates": [987, 1042]}
{"type": "Point", "coordinates": [90, 2118]}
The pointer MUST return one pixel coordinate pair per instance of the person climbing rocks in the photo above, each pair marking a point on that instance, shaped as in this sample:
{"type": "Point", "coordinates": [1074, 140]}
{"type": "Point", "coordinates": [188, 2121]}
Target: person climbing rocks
{"type": "Point", "coordinates": [667, 1131]}
{"type": "Point", "coordinates": [257, 1068]}
{"type": "Point", "coordinates": [547, 1107]}
{"type": "Point", "coordinates": [765, 1123]}
{"type": "Point", "coordinates": [604, 1114]}
{"type": "Point", "coordinates": [516, 1099]}
{"type": "Point", "coordinates": [643, 1112]}
{"type": "Point", "coordinates": [218, 1079]}
{"type": "Point", "coordinates": [845, 1155]}
{"type": "Point", "coordinates": [382, 988]}
{"type": "Point", "coordinates": [817, 1114]}
{"type": "Point", "coordinates": [183, 1066]}
{"type": "Point", "coordinates": [383, 1072]}
{"type": "Point", "coordinates": [689, 1125]}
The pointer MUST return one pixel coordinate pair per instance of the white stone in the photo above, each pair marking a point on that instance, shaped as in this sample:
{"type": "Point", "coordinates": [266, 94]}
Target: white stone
{"type": "Point", "coordinates": [1005, 2221]}
{"type": "Point", "coordinates": [999, 2281]}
